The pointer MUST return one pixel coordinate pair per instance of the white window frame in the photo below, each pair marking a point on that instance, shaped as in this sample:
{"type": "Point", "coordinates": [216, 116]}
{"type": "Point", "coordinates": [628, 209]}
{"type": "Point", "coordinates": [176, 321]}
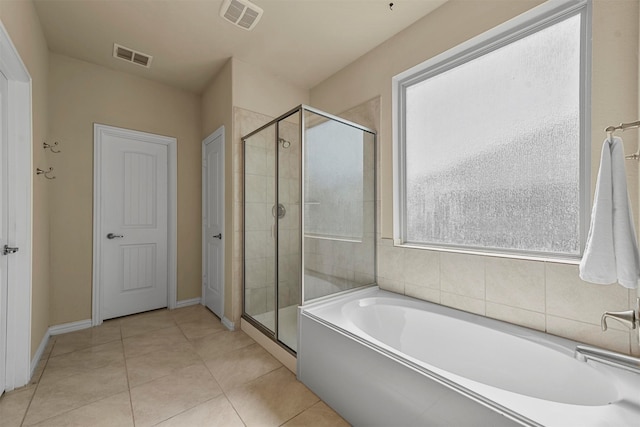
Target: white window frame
{"type": "Point", "coordinates": [545, 15]}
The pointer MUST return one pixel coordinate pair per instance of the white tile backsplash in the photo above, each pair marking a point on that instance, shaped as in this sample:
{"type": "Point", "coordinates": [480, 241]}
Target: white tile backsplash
{"type": "Point", "coordinates": [462, 274]}
{"type": "Point", "coordinates": [424, 268]}
{"type": "Point", "coordinates": [422, 292]}
{"type": "Point", "coordinates": [461, 302]}
{"type": "Point", "coordinates": [391, 263]}
{"type": "Point", "coordinates": [571, 298]}
{"type": "Point", "coordinates": [516, 283]}
{"type": "Point", "coordinates": [518, 316]}
{"type": "Point", "coordinates": [591, 334]}
{"type": "Point", "coordinates": [544, 296]}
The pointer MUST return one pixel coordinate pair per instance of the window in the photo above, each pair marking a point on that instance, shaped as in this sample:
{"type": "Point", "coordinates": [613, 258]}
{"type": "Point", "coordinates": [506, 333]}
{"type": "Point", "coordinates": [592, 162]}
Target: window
{"type": "Point", "coordinates": [490, 142]}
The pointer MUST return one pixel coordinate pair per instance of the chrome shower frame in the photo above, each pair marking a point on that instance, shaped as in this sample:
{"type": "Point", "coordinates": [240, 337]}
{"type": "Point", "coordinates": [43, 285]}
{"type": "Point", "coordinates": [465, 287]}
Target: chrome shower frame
{"type": "Point", "coordinates": [301, 109]}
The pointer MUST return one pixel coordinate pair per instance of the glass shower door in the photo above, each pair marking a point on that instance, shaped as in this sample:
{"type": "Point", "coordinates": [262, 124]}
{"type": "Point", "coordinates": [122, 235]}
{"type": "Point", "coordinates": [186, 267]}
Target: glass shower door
{"type": "Point", "coordinates": [260, 227]}
{"type": "Point", "coordinates": [272, 241]}
{"type": "Point", "coordinates": [289, 236]}
{"type": "Point", "coordinates": [309, 216]}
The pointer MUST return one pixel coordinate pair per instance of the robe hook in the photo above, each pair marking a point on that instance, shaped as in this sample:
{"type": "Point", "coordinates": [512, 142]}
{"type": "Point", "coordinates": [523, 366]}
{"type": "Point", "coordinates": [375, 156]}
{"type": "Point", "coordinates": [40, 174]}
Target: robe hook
{"type": "Point", "coordinates": [51, 146]}
{"type": "Point", "coordinates": [45, 173]}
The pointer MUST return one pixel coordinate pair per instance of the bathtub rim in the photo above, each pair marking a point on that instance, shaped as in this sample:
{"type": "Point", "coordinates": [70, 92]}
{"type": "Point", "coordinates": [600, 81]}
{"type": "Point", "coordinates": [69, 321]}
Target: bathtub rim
{"type": "Point", "coordinates": [552, 341]}
{"type": "Point", "coordinates": [452, 385]}
{"type": "Point", "coordinates": [560, 344]}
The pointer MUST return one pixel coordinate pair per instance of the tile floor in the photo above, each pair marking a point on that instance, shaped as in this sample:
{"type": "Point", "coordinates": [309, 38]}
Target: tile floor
{"type": "Point", "coordinates": [167, 368]}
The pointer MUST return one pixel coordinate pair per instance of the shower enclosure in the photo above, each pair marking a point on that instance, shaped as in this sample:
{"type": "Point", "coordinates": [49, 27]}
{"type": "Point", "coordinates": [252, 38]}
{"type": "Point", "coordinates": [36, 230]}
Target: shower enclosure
{"type": "Point", "coordinates": [309, 216]}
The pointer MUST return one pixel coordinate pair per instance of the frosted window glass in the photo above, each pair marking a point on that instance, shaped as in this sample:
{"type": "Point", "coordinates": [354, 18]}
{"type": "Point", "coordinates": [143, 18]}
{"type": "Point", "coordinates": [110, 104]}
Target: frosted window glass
{"type": "Point", "coordinates": [493, 148]}
{"type": "Point", "coordinates": [334, 180]}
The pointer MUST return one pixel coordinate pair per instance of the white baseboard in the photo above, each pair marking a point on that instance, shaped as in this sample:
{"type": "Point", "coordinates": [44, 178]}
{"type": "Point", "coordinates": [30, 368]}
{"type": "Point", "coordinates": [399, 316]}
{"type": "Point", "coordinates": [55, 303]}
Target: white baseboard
{"type": "Point", "coordinates": [188, 302]}
{"type": "Point", "coordinates": [38, 355]}
{"type": "Point", "coordinates": [228, 324]}
{"type": "Point", "coordinates": [70, 327]}
{"type": "Point", "coordinates": [56, 330]}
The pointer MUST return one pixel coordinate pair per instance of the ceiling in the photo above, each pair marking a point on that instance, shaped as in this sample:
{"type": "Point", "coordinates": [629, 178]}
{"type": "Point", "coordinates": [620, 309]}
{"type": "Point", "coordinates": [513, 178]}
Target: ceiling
{"type": "Point", "coordinates": [302, 42]}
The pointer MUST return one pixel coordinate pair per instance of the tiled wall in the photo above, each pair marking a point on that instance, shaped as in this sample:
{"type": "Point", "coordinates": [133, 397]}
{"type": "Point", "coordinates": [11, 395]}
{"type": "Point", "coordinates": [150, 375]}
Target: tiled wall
{"type": "Point", "coordinates": [545, 296]}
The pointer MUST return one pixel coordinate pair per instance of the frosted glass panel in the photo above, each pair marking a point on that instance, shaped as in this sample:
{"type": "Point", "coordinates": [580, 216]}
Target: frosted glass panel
{"type": "Point", "coordinates": [492, 148]}
{"type": "Point", "coordinates": [334, 180]}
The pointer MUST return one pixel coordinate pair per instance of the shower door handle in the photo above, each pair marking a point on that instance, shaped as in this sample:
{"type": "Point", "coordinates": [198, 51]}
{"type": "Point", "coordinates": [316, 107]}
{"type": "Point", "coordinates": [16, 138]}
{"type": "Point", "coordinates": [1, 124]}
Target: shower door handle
{"type": "Point", "coordinates": [218, 236]}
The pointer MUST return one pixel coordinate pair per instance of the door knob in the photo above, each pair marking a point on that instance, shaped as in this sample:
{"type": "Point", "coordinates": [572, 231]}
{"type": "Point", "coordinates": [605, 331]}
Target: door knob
{"type": "Point", "coordinates": [7, 250]}
{"type": "Point", "coordinates": [113, 236]}
{"type": "Point", "coordinates": [218, 236]}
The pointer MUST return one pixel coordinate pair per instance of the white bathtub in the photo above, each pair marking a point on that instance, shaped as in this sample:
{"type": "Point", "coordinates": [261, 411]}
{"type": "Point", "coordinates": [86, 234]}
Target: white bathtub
{"type": "Point", "coordinates": [380, 358]}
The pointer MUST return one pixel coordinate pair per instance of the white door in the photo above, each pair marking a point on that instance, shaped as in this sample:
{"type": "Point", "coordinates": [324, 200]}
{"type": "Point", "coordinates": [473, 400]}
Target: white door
{"type": "Point", "coordinates": [134, 224]}
{"type": "Point", "coordinates": [213, 222]}
{"type": "Point", "coordinates": [3, 230]}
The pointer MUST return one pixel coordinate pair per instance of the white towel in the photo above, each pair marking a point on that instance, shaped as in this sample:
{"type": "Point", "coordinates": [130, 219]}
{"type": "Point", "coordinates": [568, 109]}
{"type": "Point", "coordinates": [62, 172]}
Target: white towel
{"type": "Point", "coordinates": [611, 253]}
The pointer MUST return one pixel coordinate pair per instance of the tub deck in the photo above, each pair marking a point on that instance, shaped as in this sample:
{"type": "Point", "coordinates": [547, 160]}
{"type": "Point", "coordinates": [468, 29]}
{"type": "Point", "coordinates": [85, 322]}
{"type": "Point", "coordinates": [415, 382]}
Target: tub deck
{"type": "Point", "coordinates": [373, 374]}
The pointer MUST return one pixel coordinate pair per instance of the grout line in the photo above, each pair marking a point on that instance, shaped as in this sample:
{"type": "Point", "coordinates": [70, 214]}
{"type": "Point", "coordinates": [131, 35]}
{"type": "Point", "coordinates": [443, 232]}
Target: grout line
{"type": "Point", "coordinates": [223, 393]}
{"type": "Point", "coordinates": [72, 409]}
{"type": "Point", "coordinates": [126, 374]}
{"type": "Point", "coordinates": [299, 413]}
{"type": "Point", "coordinates": [37, 385]}
{"type": "Point", "coordinates": [546, 314]}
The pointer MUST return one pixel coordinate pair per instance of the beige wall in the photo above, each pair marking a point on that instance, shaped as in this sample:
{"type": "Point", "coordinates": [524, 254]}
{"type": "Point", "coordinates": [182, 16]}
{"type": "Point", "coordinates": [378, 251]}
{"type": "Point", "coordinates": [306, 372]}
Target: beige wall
{"type": "Point", "coordinates": [370, 75]}
{"type": "Point", "coordinates": [259, 91]}
{"type": "Point", "coordinates": [23, 26]}
{"type": "Point", "coordinates": [254, 91]}
{"type": "Point", "coordinates": [216, 107]}
{"type": "Point", "coordinates": [231, 97]}
{"type": "Point", "coordinates": [217, 100]}
{"type": "Point", "coordinates": [545, 296]}
{"type": "Point", "coordinates": [81, 94]}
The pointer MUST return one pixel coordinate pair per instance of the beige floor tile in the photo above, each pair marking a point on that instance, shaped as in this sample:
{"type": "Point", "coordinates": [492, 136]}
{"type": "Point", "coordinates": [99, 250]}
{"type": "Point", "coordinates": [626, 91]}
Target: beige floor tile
{"type": "Point", "coordinates": [14, 404]}
{"type": "Point", "coordinates": [146, 322]}
{"type": "Point", "coordinates": [241, 366]}
{"type": "Point", "coordinates": [56, 397]}
{"type": "Point", "coordinates": [215, 412]}
{"type": "Point", "coordinates": [168, 396]}
{"type": "Point", "coordinates": [192, 313]}
{"type": "Point", "coordinates": [47, 349]}
{"type": "Point", "coordinates": [66, 343]}
{"type": "Point", "coordinates": [37, 373]}
{"type": "Point", "coordinates": [114, 411]}
{"type": "Point", "coordinates": [155, 365]}
{"type": "Point", "coordinates": [319, 415]}
{"type": "Point", "coordinates": [271, 399]}
{"type": "Point", "coordinates": [222, 342]}
{"type": "Point", "coordinates": [153, 341]}
{"type": "Point", "coordinates": [201, 327]}
{"type": "Point", "coordinates": [82, 361]}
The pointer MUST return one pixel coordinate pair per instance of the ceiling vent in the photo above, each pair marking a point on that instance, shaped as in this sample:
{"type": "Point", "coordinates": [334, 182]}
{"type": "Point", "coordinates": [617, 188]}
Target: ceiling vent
{"type": "Point", "coordinates": [131, 55]}
{"type": "Point", "coordinates": [242, 13]}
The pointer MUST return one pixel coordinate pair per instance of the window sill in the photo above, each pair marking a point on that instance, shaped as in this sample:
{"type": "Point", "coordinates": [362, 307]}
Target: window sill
{"type": "Point", "coordinates": [488, 253]}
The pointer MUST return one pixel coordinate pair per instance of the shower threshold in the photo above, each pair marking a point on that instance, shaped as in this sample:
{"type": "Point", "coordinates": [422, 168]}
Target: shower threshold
{"type": "Point", "coordinates": [288, 323]}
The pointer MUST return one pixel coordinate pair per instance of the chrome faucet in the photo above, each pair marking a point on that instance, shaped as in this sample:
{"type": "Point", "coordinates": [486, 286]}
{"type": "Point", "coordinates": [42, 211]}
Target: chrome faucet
{"type": "Point", "coordinates": [629, 318]}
